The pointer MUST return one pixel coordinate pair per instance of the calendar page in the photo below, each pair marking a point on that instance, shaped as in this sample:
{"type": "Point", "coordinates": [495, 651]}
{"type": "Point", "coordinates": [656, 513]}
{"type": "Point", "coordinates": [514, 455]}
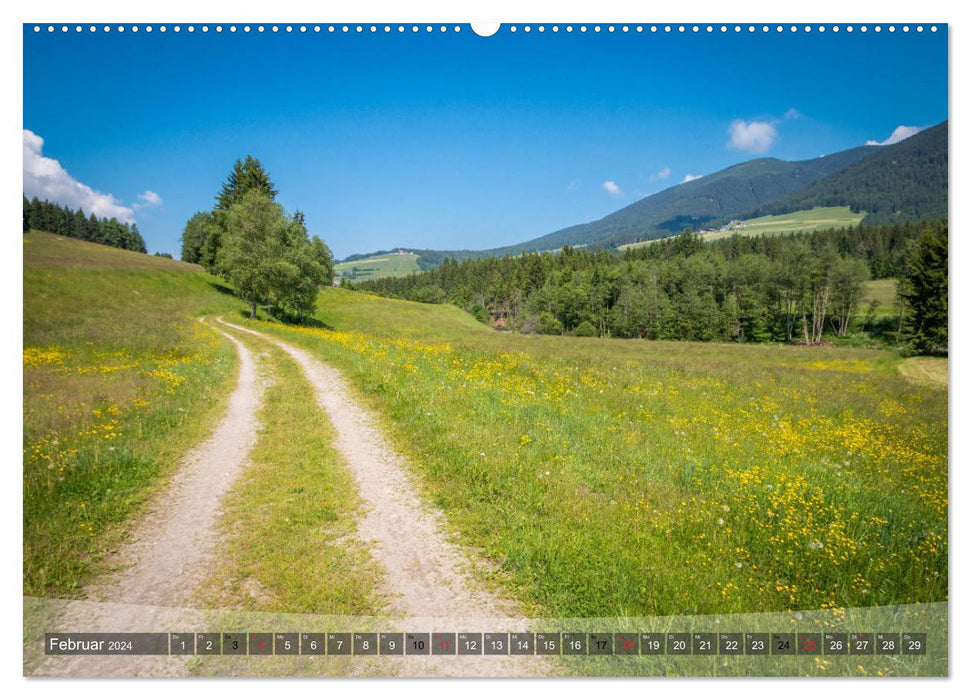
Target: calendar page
{"type": "Point", "coordinates": [513, 349]}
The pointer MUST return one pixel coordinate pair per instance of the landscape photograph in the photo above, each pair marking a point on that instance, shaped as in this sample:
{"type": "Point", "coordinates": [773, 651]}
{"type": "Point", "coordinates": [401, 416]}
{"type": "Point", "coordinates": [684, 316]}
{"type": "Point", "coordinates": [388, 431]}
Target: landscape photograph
{"type": "Point", "coordinates": [450, 350]}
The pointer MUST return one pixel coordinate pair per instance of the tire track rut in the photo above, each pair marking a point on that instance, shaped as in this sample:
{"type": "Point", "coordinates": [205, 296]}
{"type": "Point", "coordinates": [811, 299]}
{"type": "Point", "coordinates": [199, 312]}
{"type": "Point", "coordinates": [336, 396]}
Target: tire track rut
{"type": "Point", "coordinates": [171, 549]}
{"type": "Point", "coordinates": [429, 580]}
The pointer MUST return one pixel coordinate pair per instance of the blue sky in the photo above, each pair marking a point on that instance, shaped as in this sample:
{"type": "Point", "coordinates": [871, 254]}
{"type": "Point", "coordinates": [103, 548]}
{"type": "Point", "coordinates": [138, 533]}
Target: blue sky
{"type": "Point", "coordinates": [449, 140]}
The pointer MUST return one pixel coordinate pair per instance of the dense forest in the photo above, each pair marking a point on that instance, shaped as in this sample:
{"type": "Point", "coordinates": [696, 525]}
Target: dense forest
{"type": "Point", "coordinates": [790, 288]}
{"type": "Point", "coordinates": [64, 221]}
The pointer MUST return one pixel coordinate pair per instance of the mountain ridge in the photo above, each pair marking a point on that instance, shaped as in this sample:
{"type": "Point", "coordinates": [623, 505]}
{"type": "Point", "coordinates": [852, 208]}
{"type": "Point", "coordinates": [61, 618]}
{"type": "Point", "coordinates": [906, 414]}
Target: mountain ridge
{"type": "Point", "coordinates": [902, 181]}
{"type": "Point", "coordinates": [864, 177]}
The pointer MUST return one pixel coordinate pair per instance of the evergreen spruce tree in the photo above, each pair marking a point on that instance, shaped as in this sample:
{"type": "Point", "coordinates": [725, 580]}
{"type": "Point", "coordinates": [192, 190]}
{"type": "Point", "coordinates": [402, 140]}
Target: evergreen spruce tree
{"type": "Point", "coordinates": [925, 292]}
{"type": "Point", "coordinates": [136, 242]}
{"type": "Point", "coordinates": [248, 174]}
{"type": "Point", "coordinates": [35, 214]}
{"type": "Point", "coordinates": [92, 228]}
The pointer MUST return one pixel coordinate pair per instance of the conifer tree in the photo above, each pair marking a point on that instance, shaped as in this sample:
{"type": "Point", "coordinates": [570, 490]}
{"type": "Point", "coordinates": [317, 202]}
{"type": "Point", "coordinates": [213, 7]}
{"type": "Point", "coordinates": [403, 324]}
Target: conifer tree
{"type": "Point", "coordinates": [925, 292]}
{"type": "Point", "coordinates": [248, 174]}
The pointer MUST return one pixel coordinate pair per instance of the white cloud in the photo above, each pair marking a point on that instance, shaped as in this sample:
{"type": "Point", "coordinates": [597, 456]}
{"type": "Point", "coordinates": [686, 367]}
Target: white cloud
{"type": "Point", "coordinates": [689, 177]}
{"type": "Point", "coordinates": [753, 136]}
{"type": "Point", "coordinates": [147, 200]}
{"type": "Point", "coordinates": [899, 134]}
{"type": "Point", "coordinates": [661, 174]}
{"type": "Point", "coordinates": [612, 188]}
{"type": "Point", "coordinates": [573, 184]}
{"type": "Point", "coordinates": [792, 113]}
{"type": "Point", "coordinates": [45, 178]}
{"type": "Point", "coordinates": [151, 199]}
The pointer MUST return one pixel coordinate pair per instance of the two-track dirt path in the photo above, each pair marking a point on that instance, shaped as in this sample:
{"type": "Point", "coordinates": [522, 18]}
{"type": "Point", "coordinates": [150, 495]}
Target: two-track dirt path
{"type": "Point", "coordinates": [429, 579]}
{"type": "Point", "coordinates": [174, 544]}
{"type": "Point", "coordinates": [428, 583]}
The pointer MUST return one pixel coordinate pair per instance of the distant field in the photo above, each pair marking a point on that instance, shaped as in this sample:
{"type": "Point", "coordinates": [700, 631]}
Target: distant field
{"type": "Point", "coordinates": [809, 220]}
{"type": "Point", "coordinates": [929, 371]}
{"type": "Point", "coordinates": [885, 294]}
{"type": "Point", "coordinates": [391, 265]}
{"type": "Point", "coordinates": [623, 477]}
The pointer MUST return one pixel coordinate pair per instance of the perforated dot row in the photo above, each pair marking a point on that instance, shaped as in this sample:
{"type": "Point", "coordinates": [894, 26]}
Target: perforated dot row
{"type": "Point", "coordinates": [245, 28]}
{"type": "Point", "coordinates": [722, 28]}
{"type": "Point", "coordinates": [513, 28]}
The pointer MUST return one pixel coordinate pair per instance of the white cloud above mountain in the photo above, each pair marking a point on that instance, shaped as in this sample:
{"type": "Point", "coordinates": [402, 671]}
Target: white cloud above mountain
{"type": "Point", "coordinates": [613, 188]}
{"type": "Point", "coordinates": [661, 174]}
{"type": "Point", "coordinates": [751, 136]}
{"type": "Point", "coordinates": [147, 200]}
{"type": "Point", "coordinates": [899, 134]}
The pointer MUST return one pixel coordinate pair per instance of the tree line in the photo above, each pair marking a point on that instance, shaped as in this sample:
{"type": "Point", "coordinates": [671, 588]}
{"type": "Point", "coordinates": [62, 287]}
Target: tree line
{"type": "Point", "coordinates": [789, 288]}
{"type": "Point", "coordinates": [250, 241]}
{"type": "Point", "coordinates": [42, 215]}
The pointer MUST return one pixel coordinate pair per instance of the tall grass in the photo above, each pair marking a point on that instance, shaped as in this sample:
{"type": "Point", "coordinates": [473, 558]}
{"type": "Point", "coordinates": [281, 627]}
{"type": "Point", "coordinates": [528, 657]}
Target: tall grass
{"type": "Point", "coordinates": [119, 380]}
{"type": "Point", "coordinates": [635, 478]}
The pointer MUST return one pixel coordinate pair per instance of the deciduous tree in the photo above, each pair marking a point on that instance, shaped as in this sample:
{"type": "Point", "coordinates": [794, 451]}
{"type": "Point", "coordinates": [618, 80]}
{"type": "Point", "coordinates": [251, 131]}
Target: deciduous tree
{"type": "Point", "coordinates": [268, 257]}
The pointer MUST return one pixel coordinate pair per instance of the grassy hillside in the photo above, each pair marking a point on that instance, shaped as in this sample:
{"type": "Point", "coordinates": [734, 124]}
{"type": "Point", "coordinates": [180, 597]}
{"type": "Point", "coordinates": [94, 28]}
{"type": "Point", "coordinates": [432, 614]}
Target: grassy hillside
{"type": "Point", "coordinates": [596, 477]}
{"type": "Point", "coordinates": [884, 293]}
{"type": "Point", "coordinates": [809, 220]}
{"type": "Point", "coordinates": [119, 379]}
{"type": "Point", "coordinates": [388, 265]}
{"type": "Point", "coordinates": [605, 477]}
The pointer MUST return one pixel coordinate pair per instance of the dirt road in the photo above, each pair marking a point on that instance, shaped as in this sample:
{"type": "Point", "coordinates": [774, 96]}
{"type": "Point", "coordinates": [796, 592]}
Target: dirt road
{"type": "Point", "coordinates": [429, 582]}
{"type": "Point", "coordinates": [173, 546]}
{"type": "Point", "coordinates": [429, 579]}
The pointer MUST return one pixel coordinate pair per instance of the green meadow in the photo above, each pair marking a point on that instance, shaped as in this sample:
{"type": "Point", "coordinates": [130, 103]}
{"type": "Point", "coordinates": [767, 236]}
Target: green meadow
{"type": "Point", "coordinates": [120, 379]}
{"type": "Point", "coordinates": [884, 293]}
{"type": "Point", "coordinates": [390, 265]}
{"type": "Point", "coordinates": [594, 477]}
{"type": "Point", "coordinates": [630, 478]}
{"type": "Point", "coordinates": [800, 221]}
{"type": "Point", "coordinates": [808, 220]}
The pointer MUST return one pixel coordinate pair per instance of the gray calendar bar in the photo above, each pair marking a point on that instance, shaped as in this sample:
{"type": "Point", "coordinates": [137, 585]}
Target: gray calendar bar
{"type": "Point", "coordinates": [489, 643]}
